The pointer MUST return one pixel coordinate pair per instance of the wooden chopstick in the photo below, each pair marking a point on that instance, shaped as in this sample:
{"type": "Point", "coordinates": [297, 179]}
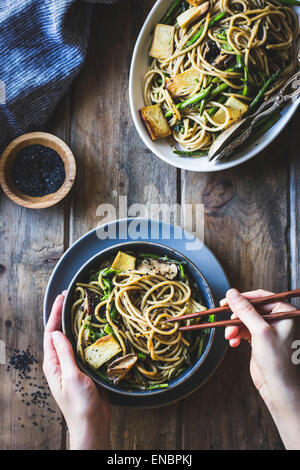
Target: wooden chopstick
{"type": "Point", "coordinates": [269, 317]}
{"type": "Point", "coordinates": [257, 301]}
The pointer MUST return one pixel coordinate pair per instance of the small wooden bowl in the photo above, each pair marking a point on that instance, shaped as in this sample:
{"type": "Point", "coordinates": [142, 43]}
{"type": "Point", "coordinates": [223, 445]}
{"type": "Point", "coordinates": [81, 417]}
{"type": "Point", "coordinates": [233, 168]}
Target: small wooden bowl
{"type": "Point", "coordinates": [7, 159]}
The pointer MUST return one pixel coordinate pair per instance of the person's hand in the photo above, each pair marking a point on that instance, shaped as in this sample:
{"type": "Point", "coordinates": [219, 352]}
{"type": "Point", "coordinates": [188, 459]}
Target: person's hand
{"type": "Point", "coordinates": [86, 410]}
{"type": "Point", "coordinates": [271, 367]}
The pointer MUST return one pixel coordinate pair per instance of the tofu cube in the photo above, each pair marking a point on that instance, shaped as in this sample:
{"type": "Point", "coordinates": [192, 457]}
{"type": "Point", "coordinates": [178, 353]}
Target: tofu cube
{"type": "Point", "coordinates": [163, 42]}
{"type": "Point", "coordinates": [195, 3]}
{"type": "Point", "coordinates": [236, 107]}
{"type": "Point", "coordinates": [102, 351]}
{"type": "Point", "coordinates": [155, 122]}
{"type": "Point", "coordinates": [123, 262]}
{"type": "Point", "coordinates": [183, 83]}
{"type": "Point", "coordinates": [192, 14]}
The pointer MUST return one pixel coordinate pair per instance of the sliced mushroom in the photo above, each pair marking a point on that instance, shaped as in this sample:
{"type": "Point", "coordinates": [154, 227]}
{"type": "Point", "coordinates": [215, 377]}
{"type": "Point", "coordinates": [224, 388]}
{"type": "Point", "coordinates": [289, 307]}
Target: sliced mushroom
{"type": "Point", "coordinates": [117, 370]}
{"type": "Point", "coordinates": [223, 61]}
{"type": "Point", "coordinates": [91, 302]}
{"type": "Point", "coordinates": [154, 266]}
{"type": "Point", "coordinates": [211, 51]}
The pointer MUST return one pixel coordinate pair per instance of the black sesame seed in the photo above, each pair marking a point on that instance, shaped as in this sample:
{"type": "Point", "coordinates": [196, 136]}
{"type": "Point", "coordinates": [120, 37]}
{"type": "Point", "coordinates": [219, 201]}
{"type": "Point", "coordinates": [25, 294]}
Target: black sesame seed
{"type": "Point", "coordinates": [38, 170]}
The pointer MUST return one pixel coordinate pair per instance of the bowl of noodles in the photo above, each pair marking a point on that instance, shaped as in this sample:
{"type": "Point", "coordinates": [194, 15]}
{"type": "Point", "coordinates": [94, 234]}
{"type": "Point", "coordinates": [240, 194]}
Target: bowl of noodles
{"type": "Point", "coordinates": [202, 66]}
{"type": "Point", "coordinates": [115, 315]}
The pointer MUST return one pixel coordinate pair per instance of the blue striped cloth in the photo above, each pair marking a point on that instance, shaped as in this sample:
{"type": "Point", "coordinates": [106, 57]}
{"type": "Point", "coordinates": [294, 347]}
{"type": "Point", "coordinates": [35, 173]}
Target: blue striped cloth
{"type": "Point", "coordinates": [43, 44]}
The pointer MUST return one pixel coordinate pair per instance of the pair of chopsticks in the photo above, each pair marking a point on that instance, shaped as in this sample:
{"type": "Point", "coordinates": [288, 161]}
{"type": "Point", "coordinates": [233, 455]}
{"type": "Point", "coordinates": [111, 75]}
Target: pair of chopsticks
{"type": "Point", "coordinates": [269, 317]}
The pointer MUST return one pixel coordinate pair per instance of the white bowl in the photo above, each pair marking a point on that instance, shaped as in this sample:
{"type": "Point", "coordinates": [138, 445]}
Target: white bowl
{"type": "Point", "coordinates": [162, 148]}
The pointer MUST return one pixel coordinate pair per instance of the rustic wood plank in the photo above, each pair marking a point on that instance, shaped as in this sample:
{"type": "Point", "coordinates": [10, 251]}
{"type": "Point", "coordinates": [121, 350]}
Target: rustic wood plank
{"type": "Point", "coordinates": [246, 226]}
{"type": "Point", "coordinates": [112, 162]}
{"type": "Point", "coordinates": [31, 243]}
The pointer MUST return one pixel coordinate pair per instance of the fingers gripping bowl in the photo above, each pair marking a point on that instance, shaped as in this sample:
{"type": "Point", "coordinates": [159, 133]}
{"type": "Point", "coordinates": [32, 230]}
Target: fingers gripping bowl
{"type": "Point", "coordinates": [114, 315]}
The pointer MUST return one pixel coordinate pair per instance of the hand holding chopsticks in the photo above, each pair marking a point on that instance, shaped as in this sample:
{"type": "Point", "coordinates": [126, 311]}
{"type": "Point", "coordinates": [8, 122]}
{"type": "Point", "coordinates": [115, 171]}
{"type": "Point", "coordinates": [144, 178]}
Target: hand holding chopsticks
{"type": "Point", "coordinates": [269, 317]}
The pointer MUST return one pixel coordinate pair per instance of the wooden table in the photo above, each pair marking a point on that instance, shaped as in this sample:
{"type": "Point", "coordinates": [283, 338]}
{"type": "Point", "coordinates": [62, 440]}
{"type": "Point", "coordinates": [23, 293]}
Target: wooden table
{"type": "Point", "coordinates": [251, 224]}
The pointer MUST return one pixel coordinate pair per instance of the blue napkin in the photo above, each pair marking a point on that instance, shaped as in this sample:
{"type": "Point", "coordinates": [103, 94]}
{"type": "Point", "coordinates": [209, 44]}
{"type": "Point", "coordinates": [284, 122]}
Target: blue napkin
{"type": "Point", "coordinates": [43, 44]}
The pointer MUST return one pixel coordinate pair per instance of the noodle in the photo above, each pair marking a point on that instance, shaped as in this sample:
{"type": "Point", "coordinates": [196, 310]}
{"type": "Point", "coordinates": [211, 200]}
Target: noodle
{"type": "Point", "coordinates": [141, 301]}
{"type": "Point", "coordinates": [261, 34]}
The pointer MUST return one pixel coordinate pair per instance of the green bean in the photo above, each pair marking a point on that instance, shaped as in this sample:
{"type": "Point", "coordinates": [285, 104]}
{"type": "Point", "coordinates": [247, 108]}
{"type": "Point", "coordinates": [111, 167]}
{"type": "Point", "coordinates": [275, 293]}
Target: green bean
{"type": "Point", "coordinates": [212, 22]}
{"type": "Point", "coordinates": [263, 89]}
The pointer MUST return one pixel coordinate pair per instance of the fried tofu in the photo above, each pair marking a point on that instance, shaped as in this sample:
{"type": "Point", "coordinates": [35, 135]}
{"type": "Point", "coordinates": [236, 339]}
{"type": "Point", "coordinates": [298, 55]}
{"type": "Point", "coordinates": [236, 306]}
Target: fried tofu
{"type": "Point", "coordinates": [102, 351]}
{"type": "Point", "coordinates": [236, 107]}
{"type": "Point", "coordinates": [195, 3]}
{"type": "Point", "coordinates": [192, 14]}
{"type": "Point", "coordinates": [163, 42]}
{"type": "Point", "coordinates": [155, 122]}
{"type": "Point", "coordinates": [123, 262]}
{"type": "Point", "coordinates": [183, 83]}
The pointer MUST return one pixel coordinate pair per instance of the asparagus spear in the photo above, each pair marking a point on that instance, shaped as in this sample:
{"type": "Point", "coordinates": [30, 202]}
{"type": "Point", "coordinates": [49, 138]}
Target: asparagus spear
{"type": "Point", "coordinates": [264, 88]}
{"type": "Point", "coordinates": [212, 22]}
{"type": "Point", "coordinates": [214, 109]}
{"type": "Point", "coordinates": [167, 19]}
{"type": "Point", "coordinates": [186, 153]}
{"type": "Point", "coordinates": [245, 88]}
{"type": "Point", "coordinates": [193, 100]}
{"type": "Point", "coordinates": [199, 96]}
{"type": "Point", "coordinates": [289, 2]}
{"type": "Point", "coordinates": [153, 387]}
{"type": "Point", "coordinates": [265, 127]}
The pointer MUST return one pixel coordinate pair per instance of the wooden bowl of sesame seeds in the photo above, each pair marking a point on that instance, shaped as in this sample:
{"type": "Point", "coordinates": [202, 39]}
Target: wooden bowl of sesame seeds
{"type": "Point", "coordinates": [37, 170]}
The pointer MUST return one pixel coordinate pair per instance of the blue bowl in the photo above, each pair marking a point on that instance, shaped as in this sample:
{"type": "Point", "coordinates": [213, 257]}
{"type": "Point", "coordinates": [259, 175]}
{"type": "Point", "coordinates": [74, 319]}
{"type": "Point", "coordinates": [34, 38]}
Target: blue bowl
{"type": "Point", "coordinates": [82, 276]}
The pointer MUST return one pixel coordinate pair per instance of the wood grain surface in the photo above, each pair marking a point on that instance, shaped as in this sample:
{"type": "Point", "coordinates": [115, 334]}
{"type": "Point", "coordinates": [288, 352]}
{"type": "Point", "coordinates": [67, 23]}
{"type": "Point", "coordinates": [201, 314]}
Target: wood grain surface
{"type": "Point", "coordinates": [252, 224]}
